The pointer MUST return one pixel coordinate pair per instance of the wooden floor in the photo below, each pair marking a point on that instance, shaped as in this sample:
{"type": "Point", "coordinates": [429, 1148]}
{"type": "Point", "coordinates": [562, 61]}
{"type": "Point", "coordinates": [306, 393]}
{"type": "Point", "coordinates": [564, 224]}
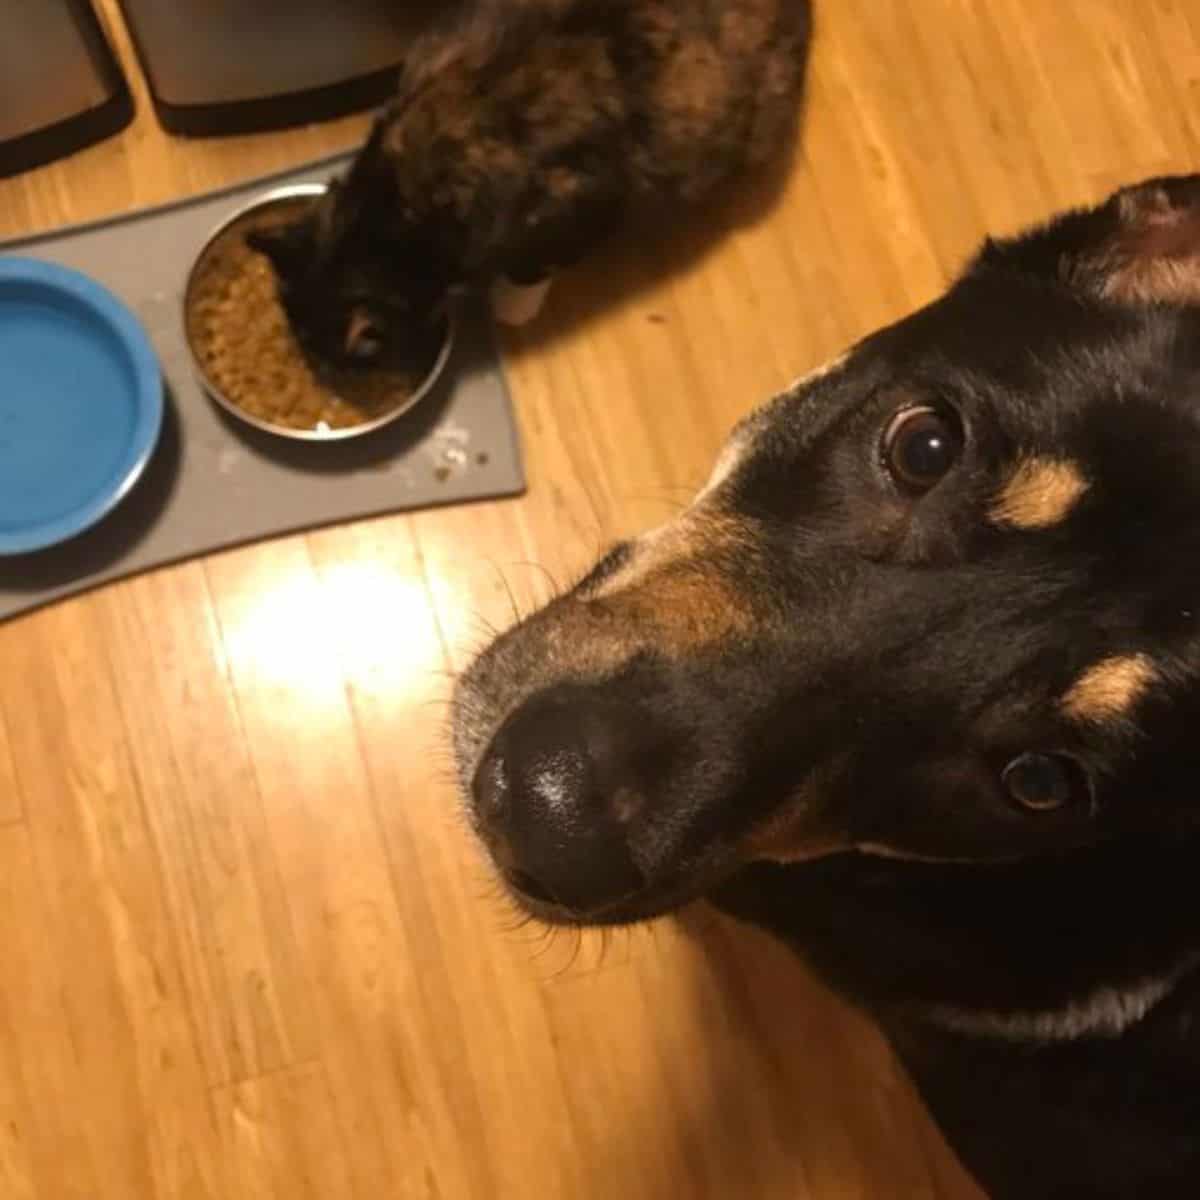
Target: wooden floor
{"type": "Point", "coordinates": [248, 951]}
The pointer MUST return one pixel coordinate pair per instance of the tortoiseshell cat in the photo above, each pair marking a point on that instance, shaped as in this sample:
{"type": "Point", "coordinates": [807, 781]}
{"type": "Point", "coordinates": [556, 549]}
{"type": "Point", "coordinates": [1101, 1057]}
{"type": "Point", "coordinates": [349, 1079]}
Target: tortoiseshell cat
{"type": "Point", "coordinates": [523, 133]}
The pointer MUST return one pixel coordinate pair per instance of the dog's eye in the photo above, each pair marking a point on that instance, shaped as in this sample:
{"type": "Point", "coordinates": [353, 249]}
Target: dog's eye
{"type": "Point", "coordinates": [920, 446]}
{"type": "Point", "coordinates": [1044, 782]}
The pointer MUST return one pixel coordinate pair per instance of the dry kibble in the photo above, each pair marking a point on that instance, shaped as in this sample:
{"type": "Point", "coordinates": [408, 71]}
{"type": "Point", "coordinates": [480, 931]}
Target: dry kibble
{"type": "Point", "coordinates": [242, 339]}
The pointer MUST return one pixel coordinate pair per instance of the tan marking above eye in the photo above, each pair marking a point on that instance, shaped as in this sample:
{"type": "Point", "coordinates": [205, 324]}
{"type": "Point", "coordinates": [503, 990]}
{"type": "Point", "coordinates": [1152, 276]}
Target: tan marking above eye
{"type": "Point", "coordinates": [1040, 493]}
{"type": "Point", "coordinates": [1108, 690]}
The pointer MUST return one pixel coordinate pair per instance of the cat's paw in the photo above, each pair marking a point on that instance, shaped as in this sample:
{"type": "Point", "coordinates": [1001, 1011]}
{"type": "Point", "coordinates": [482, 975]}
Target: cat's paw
{"type": "Point", "coordinates": [517, 304]}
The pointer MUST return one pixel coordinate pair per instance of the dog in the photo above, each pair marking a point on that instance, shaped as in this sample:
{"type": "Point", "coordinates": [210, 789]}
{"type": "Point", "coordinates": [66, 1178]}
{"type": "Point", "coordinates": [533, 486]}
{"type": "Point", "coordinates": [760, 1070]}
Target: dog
{"type": "Point", "coordinates": [914, 684]}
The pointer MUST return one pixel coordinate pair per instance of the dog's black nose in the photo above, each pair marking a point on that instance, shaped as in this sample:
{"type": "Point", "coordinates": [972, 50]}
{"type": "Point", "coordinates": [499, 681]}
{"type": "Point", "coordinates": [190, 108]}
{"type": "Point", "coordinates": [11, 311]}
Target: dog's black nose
{"type": "Point", "coordinates": [555, 795]}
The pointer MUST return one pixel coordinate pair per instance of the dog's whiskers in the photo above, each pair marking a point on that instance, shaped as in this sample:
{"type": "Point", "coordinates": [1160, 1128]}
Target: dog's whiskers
{"type": "Point", "coordinates": [555, 588]}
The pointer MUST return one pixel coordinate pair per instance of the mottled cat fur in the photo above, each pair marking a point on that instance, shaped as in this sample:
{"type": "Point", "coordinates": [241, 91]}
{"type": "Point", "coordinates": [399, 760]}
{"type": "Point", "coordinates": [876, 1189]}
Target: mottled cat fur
{"type": "Point", "coordinates": [523, 133]}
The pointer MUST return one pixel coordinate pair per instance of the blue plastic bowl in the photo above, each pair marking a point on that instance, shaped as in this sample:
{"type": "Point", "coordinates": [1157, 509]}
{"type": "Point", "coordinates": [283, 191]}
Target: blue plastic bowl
{"type": "Point", "coordinates": [81, 403]}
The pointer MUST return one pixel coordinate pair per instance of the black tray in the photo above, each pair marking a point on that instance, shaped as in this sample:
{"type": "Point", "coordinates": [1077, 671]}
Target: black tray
{"type": "Point", "coordinates": [60, 86]}
{"type": "Point", "coordinates": [238, 66]}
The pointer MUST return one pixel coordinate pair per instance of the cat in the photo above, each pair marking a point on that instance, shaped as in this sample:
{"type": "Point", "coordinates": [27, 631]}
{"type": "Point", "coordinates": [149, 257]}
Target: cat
{"type": "Point", "coordinates": [523, 134]}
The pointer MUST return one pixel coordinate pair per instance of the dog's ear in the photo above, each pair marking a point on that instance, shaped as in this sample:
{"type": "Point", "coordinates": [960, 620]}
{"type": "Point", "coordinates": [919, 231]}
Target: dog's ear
{"type": "Point", "coordinates": [1142, 246]}
{"type": "Point", "coordinates": [1153, 253]}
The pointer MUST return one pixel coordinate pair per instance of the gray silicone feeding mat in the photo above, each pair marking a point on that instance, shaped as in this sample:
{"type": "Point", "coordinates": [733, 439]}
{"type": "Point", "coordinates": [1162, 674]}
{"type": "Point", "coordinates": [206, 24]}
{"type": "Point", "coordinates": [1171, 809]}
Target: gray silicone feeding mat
{"type": "Point", "coordinates": [213, 483]}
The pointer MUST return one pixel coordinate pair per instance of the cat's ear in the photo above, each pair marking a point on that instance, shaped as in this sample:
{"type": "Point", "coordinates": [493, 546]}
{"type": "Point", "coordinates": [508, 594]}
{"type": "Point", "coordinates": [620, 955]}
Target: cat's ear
{"type": "Point", "coordinates": [373, 146]}
{"type": "Point", "coordinates": [287, 247]}
{"type": "Point", "coordinates": [367, 177]}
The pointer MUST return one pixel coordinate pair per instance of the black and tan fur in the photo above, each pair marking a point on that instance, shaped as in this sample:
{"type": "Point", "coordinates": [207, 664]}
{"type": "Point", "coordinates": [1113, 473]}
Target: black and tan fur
{"type": "Point", "coordinates": [524, 132]}
{"type": "Point", "coordinates": [924, 705]}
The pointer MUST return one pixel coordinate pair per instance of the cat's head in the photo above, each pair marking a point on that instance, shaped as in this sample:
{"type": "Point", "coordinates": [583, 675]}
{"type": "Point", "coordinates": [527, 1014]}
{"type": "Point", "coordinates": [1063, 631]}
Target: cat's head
{"type": "Point", "coordinates": [356, 287]}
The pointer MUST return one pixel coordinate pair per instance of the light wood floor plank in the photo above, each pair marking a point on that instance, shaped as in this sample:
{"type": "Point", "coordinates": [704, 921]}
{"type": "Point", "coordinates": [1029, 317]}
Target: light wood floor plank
{"type": "Point", "coordinates": [281, 1138]}
{"type": "Point", "coordinates": [226, 900]}
{"type": "Point", "coordinates": [146, 1123]}
{"type": "Point", "coordinates": [11, 806]}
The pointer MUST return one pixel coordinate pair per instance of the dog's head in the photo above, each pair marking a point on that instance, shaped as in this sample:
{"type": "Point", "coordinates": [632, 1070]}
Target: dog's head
{"type": "Point", "coordinates": [939, 601]}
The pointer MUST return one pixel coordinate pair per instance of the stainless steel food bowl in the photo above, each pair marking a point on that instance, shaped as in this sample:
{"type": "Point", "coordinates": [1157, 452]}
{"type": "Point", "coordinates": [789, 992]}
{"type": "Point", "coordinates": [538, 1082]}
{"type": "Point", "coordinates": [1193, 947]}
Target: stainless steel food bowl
{"type": "Point", "coordinates": [267, 199]}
